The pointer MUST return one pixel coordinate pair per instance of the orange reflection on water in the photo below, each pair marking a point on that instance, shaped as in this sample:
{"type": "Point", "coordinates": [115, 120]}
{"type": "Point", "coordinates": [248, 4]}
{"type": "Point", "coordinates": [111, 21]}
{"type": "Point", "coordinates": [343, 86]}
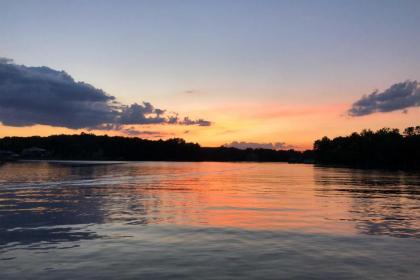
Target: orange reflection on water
{"type": "Point", "coordinates": [262, 196]}
{"type": "Point", "coordinates": [250, 196]}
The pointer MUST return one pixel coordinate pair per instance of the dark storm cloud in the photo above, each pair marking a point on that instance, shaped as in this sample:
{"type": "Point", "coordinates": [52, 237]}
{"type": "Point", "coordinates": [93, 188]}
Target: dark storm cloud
{"type": "Point", "coordinates": [254, 145]}
{"type": "Point", "coordinates": [41, 95]}
{"type": "Point", "coordinates": [399, 96]}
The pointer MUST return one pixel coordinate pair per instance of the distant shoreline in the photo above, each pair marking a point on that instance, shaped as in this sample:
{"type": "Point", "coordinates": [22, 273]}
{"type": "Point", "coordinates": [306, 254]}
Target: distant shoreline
{"type": "Point", "coordinates": [384, 149]}
{"type": "Point", "coordinates": [100, 148]}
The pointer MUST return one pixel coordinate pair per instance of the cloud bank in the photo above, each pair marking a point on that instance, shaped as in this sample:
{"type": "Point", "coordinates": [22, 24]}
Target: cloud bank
{"type": "Point", "coordinates": [244, 145]}
{"type": "Point", "coordinates": [399, 96]}
{"type": "Point", "coordinates": [41, 95]}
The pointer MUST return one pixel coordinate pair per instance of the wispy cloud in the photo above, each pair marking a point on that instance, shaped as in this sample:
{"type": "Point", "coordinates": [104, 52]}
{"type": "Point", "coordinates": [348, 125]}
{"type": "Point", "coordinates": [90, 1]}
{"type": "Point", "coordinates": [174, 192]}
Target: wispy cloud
{"type": "Point", "coordinates": [190, 92]}
{"type": "Point", "coordinates": [132, 131]}
{"type": "Point", "coordinates": [399, 96]}
{"type": "Point", "coordinates": [41, 95]}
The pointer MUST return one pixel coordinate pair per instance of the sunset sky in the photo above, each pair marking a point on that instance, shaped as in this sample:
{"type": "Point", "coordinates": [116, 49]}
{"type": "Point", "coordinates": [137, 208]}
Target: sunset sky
{"type": "Point", "coordinates": [280, 72]}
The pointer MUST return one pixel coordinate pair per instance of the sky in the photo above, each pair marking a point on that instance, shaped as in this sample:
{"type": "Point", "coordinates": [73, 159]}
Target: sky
{"type": "Point", "coordinates": [263, 73]}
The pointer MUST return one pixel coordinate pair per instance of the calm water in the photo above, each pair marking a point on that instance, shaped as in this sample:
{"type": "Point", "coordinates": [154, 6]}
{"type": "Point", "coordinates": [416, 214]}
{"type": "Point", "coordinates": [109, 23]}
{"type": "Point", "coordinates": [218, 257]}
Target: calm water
{"type": "Point", "coordinates": [159, 220]}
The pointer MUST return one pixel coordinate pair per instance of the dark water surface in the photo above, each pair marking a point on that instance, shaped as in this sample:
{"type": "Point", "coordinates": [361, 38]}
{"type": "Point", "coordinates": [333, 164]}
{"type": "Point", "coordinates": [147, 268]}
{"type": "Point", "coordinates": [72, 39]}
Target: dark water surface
{"type": "Point", "coordinates": [157, 220]}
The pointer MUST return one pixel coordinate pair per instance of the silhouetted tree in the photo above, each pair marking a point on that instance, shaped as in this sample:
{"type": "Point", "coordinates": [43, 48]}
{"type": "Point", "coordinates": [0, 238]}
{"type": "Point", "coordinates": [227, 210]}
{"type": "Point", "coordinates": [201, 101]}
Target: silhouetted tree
{"type": "Point", "coordinates": [92, 147]}
{"type": "Point", "coordinates": [383, 148]}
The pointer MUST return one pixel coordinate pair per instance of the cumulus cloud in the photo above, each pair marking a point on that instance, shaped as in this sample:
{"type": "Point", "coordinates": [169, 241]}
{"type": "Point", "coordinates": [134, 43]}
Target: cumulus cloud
{"type": "Point", "coordinates": [399, 96]}
{"type": "Point", "coordinates": [41, 95]}
{"type": "Point", "coordinates": [244, 145]}
{"type": "Point", "coordinates": [141, 114]}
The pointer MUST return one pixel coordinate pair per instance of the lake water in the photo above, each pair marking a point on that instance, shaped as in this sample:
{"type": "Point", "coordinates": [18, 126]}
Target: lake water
{"type": "Point", "coordinates": [160, 220]}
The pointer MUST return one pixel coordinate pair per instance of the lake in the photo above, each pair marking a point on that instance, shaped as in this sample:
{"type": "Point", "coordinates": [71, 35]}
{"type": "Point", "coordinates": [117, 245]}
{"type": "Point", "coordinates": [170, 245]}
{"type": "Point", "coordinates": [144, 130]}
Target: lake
{"type": "Point", "coordinates": [167, 220]}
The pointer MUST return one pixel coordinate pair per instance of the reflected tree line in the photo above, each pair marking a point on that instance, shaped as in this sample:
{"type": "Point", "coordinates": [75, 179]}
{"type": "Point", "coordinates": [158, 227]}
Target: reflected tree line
{"type": "Point", "coordinates": [383, 203]}
{"type": "Point", "coordinates": [32, 214]}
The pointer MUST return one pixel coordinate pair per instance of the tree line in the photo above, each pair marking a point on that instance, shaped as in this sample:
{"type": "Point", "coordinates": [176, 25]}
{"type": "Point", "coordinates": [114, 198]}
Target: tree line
{"type": "Point", "coordinates": [93, 147]}
{"type": "Point", "coordinates": [386, 147]}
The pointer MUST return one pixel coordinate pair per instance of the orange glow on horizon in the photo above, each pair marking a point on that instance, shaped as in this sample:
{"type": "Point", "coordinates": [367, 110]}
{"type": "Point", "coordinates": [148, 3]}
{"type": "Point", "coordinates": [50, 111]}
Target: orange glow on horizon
{"type": "Point", "coordinates": [298, 126]}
